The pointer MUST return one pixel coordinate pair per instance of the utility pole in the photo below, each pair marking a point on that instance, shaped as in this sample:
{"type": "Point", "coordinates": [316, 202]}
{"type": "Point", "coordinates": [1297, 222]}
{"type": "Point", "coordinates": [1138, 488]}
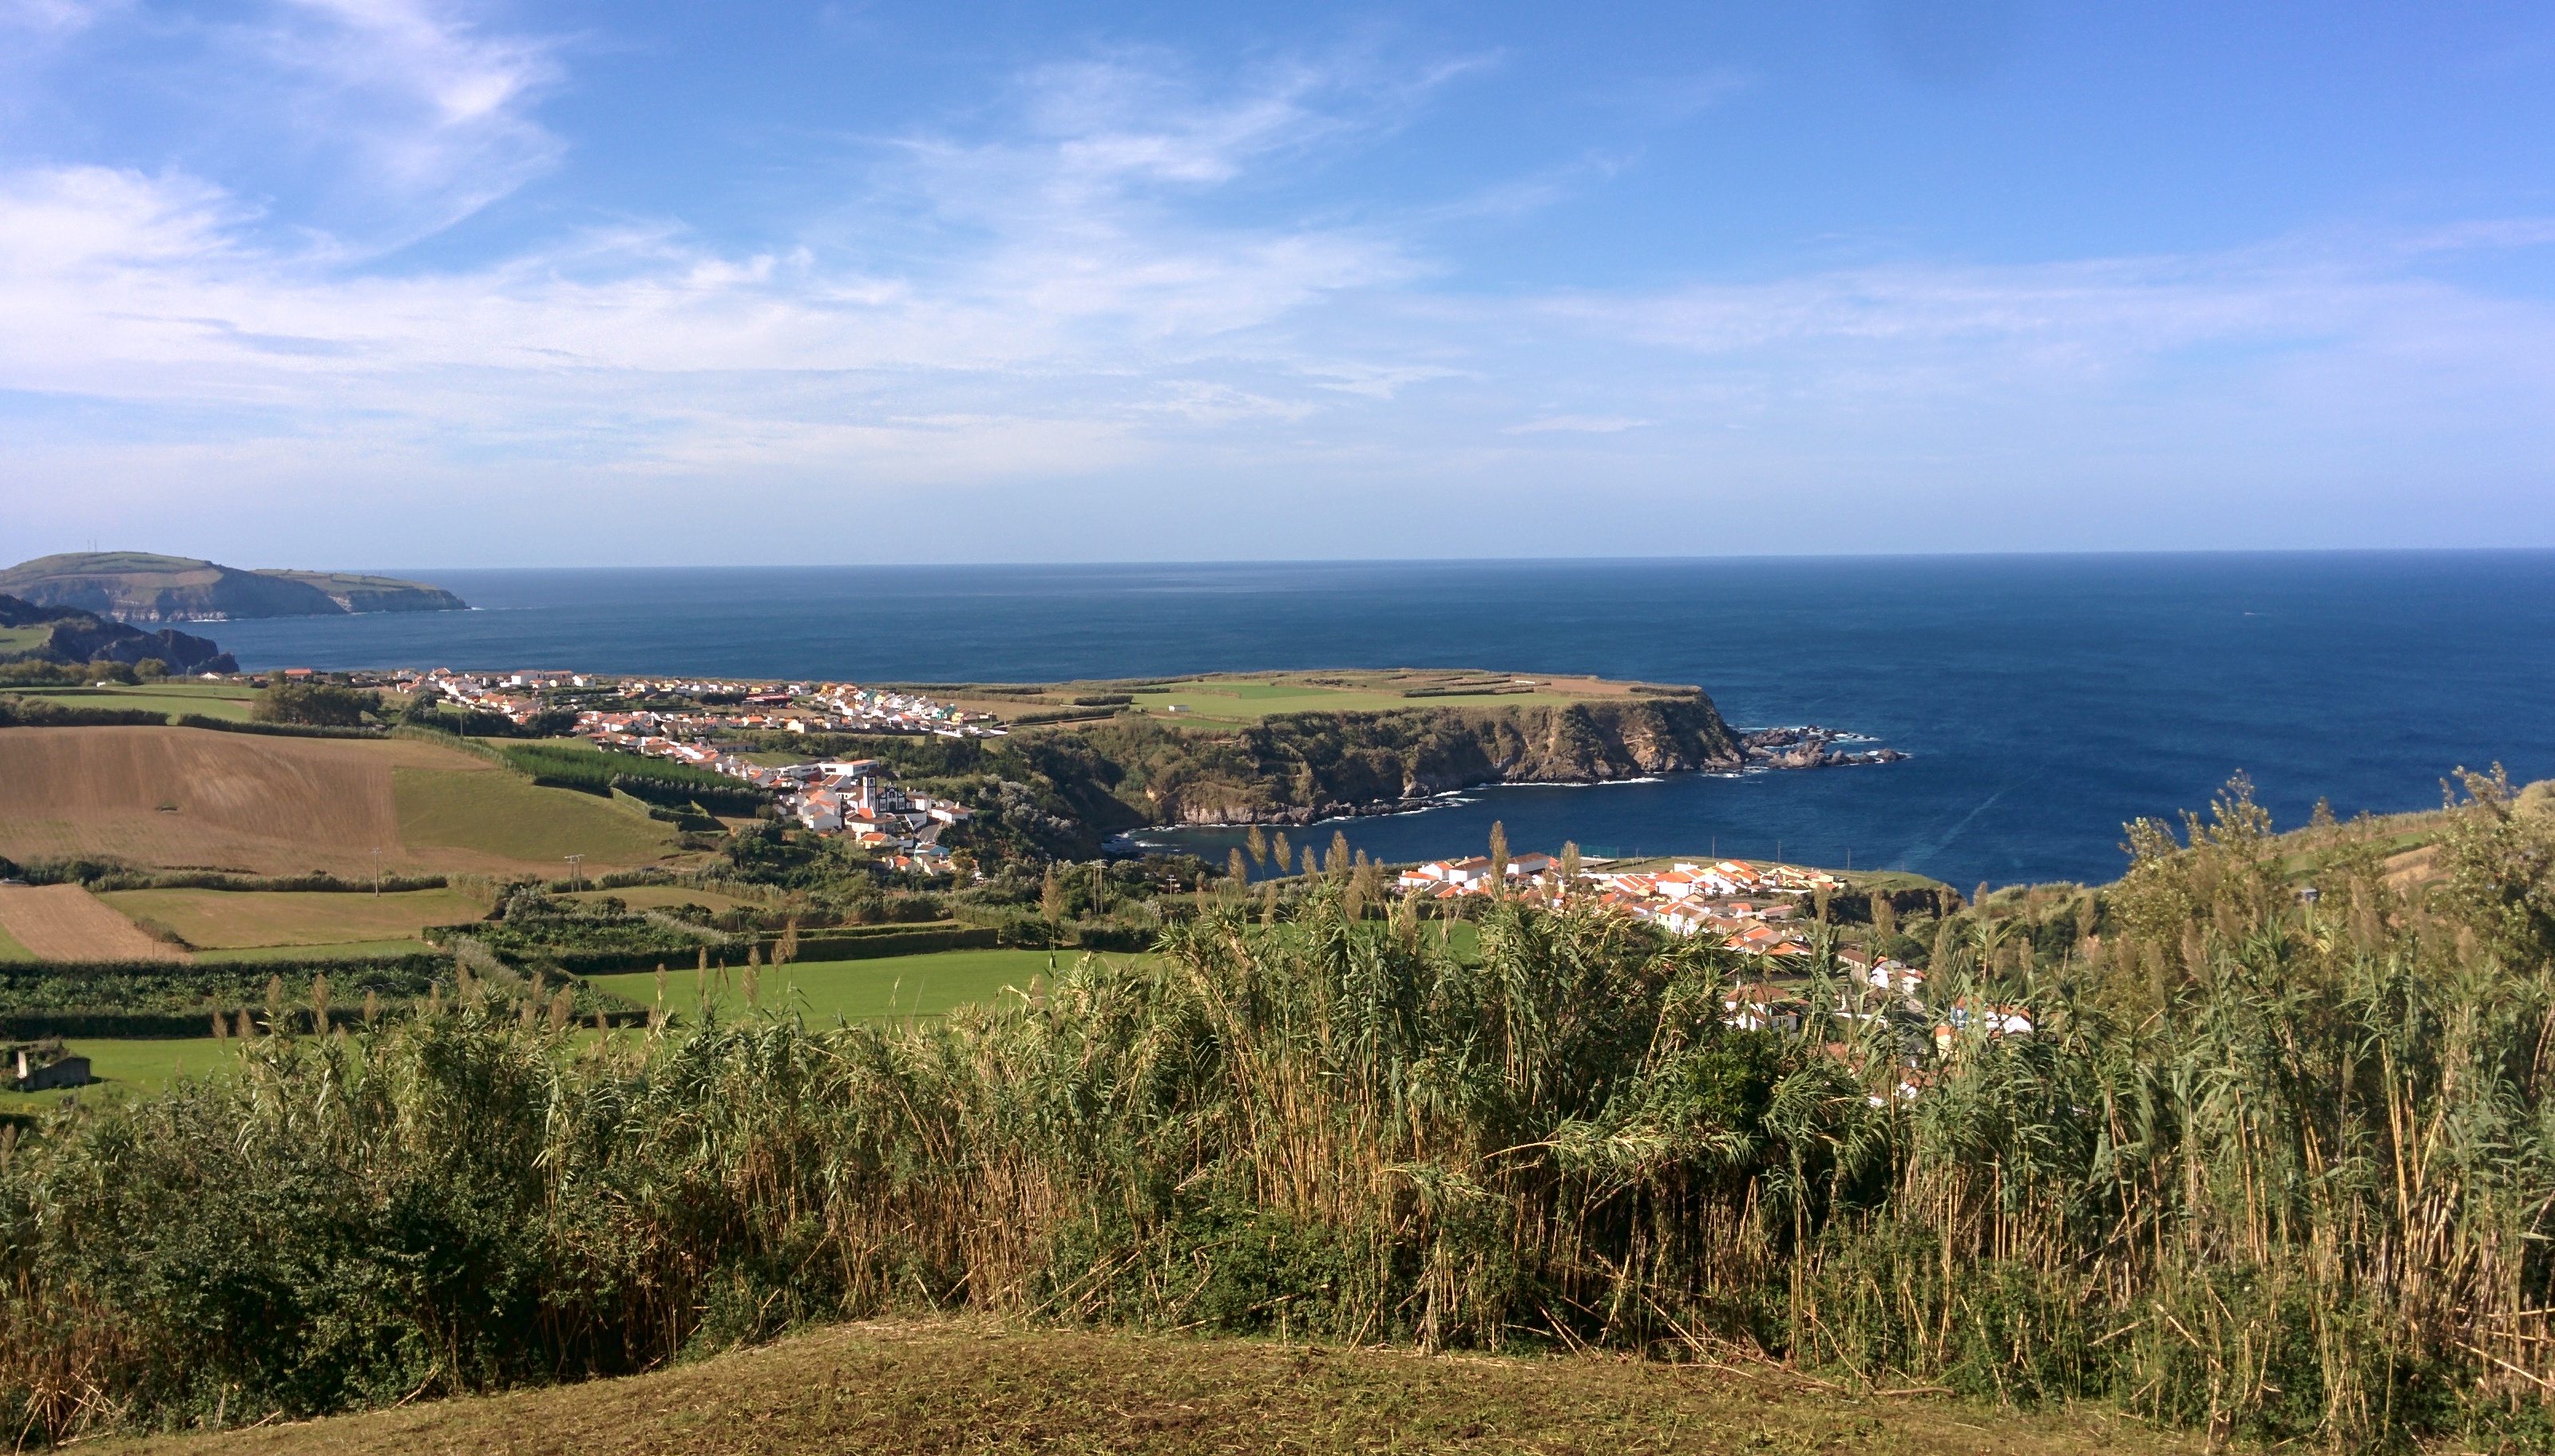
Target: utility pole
{"type": "Point", "coordinates": [575, 872]}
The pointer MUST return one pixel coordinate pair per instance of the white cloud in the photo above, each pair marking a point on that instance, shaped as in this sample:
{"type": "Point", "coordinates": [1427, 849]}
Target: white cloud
{"type": "Point", "coordinates": [1078, 298]}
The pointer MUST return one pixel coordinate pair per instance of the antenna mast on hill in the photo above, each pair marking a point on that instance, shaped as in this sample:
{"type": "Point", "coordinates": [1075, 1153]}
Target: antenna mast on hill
{"type": "Point", "coordinates": [575, 872]}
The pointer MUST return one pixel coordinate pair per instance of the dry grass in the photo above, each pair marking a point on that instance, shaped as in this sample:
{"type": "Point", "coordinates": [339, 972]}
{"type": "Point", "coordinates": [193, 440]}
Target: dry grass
{"type": "Point", "coordinates": [191, 799]}
{"type": "Point", "coordinates": [188, 796]}
{"type": "Point", "coordinates": [233, 919]}
{"type": "Point", "coordinates": [66, 922]}
{"type": "Point", "coordinates": [963, 1386]}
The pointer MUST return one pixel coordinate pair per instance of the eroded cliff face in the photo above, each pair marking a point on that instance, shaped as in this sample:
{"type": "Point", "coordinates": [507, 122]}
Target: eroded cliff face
{"type": "Point", "coordinates": [1298, 768]}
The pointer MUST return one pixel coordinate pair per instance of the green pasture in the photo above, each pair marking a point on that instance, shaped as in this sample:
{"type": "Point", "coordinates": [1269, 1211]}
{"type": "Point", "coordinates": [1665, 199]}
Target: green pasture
{"type": "Point", "coordinates": [499, 813]}
{"type": "Point", "coordinates": [127, 1068]}
{"type": "Point", "coordinates": [206, 700]}
{"type": "Point", "coordinates": [931, 984]}
{"type": "Point", "coordinates": [11, 950]}
{"type": "Point", "coordinates": [1245, 703]}
{"type": "Point", "coordinates": [239, 920]}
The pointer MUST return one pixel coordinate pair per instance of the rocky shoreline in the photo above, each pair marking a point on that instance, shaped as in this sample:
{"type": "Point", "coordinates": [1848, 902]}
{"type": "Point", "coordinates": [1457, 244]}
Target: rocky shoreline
{"type": "Point", "coordinates": [1808, 746]}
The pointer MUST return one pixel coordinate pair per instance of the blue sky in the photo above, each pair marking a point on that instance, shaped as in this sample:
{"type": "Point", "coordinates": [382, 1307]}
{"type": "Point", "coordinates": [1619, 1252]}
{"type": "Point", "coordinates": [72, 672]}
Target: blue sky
{"type": "Point", "coordinates": [376, 282]}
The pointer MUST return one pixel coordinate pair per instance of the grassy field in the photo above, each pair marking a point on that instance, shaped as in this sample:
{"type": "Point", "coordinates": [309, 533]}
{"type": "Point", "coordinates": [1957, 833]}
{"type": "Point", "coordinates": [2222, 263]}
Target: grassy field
{"type": "Point", "coordinates": [971, 1386]}
{"type": "Point", "coordinates": [222, 919]}
{"type": "Point", "coordinates": [497, 813]}
{"type": "Point", "coordinates": [210, 699]}
{"type": "Point", "coordinates": [11, 950]}
{"type": "Point", "coordinates": [66, 922]}
{"type": "Point", "coordinates": [128, 1068]}
{"type": "Point", "coordinates": [1242, 698]}
{"type": "Point", "coordinates": [854, 990]}
{"type": "Point", "coordinates": [184, 796]}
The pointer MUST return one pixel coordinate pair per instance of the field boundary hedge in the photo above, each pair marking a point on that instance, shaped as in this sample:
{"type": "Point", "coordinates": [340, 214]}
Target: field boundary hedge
{"type": "Point", "coordinates": [271, 730]}
{"type": "Point", "coordinates": [37, 712]}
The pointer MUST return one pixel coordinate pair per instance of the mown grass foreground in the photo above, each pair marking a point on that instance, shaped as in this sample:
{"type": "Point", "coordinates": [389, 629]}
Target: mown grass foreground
{"type": "Point", "coordinates": [977, 1387]}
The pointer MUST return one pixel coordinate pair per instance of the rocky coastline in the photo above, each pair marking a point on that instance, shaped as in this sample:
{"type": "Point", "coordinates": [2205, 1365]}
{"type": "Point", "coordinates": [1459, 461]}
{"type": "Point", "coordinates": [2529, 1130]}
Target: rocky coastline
{"type": "Point", "coordinates": [1575, 750]}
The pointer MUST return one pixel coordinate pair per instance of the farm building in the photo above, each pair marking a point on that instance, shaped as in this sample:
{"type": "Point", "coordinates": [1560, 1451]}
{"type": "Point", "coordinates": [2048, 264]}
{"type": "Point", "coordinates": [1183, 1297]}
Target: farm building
{"type": "Point", "coordinates": [43, 1067]}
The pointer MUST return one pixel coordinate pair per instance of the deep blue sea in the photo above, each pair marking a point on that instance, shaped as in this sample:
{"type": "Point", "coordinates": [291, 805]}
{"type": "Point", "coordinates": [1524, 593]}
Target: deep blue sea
{"type": "Point", "coordinates": [2045, 700]}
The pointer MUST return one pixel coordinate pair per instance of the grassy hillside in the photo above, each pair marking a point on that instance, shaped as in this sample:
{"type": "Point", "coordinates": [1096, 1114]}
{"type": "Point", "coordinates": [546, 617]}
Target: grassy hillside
{"type": "Point", "coordinates": [976, 1387]}
{"type": "Point", "coordinates": [140, 586]}
{"type": "Point", "coordinates": [497, 813]}
{"type": "Point", "coordinates": [266, 806]}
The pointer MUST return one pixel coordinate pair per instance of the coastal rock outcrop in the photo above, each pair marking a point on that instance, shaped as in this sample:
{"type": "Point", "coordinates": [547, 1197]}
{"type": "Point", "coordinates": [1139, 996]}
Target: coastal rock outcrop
{"type": "Point", "coordinates": [1292, 769]}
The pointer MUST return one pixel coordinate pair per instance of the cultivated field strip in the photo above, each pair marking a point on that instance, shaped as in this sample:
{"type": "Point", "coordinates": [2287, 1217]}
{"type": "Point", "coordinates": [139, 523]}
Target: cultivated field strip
{"type": "Point", "coordinates": [66, 922]}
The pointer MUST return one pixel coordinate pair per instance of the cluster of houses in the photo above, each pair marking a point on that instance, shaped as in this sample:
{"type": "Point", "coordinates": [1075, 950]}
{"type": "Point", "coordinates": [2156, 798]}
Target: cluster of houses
{"type": "Point", "coordinates": [1744, 907]}
{"type": "Point", "coordinates": [516, 696]}
{"type": "Point", "coordinates": [791, 707]}
{"type": "Point", "coordinates": [857, 799]}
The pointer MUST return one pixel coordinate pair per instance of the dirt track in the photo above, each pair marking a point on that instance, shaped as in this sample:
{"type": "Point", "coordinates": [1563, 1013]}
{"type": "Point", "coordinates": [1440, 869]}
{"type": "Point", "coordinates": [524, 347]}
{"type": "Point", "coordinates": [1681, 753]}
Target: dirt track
{"type": "Point", "coordinates": [193, 797]}
{"type": "Point", "coordinates": [64, 922]}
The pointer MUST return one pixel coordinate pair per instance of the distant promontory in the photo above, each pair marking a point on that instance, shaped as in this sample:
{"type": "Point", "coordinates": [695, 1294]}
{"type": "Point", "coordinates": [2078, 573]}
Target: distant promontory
{"type": "Point", "coordinates": [135, 586]}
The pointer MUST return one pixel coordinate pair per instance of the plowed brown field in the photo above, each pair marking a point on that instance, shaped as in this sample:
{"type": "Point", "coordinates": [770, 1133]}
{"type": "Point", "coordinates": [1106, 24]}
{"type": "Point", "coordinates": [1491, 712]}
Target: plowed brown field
{"type": "Point", "coordinates": [64, 922]}
{"type": "Point", "coordinates": [189, 797]}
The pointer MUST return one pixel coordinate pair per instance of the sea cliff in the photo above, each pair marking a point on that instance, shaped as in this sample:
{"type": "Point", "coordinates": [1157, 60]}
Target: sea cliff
{"type": "Point", "coordinates": [1296, 767]}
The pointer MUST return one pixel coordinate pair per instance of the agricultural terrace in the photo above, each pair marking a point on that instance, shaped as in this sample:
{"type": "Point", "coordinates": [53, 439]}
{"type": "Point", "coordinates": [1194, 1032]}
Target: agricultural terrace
{"type": "Point", "coordinates": [1239, 699]}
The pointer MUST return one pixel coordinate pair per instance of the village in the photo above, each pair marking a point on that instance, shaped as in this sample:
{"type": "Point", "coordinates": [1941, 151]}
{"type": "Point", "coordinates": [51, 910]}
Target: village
{"type": "Point", "coordinates": [1751, 910]}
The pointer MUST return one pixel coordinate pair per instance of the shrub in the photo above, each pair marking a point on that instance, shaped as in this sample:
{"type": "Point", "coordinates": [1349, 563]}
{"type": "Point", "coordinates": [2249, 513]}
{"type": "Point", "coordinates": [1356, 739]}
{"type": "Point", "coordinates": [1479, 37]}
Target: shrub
{"type": "Point", "coordinates": [313, 704]}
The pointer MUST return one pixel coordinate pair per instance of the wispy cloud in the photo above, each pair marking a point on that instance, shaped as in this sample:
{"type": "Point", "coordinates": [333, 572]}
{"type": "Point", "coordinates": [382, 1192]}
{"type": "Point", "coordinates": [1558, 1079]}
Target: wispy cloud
{"type": "Point", "coordinates": [1095, 282]}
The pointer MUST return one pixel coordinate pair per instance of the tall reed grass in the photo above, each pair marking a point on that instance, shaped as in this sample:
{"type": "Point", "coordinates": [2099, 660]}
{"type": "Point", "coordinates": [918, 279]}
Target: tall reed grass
{"type": "Point", "coordinates": [2291, 1185]}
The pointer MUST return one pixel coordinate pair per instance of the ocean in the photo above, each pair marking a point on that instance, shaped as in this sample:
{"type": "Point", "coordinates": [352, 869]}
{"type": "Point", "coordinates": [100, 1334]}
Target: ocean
{"type": "Point", "coordinates": [2045, 701]}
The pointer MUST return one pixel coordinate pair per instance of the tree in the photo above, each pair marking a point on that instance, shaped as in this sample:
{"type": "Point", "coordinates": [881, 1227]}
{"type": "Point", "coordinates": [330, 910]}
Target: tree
{"type": "Point", "coordinates": [151, 669]}
{"type": "Point", "coordinates": [318, 704]}
{"type": "Point", "coordinates": [1258, 844]}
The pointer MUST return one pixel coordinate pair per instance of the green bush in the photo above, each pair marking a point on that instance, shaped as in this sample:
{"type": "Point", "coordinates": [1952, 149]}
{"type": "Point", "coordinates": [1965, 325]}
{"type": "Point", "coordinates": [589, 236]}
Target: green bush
{"type": "Point", "coordinates": [313, 704]}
